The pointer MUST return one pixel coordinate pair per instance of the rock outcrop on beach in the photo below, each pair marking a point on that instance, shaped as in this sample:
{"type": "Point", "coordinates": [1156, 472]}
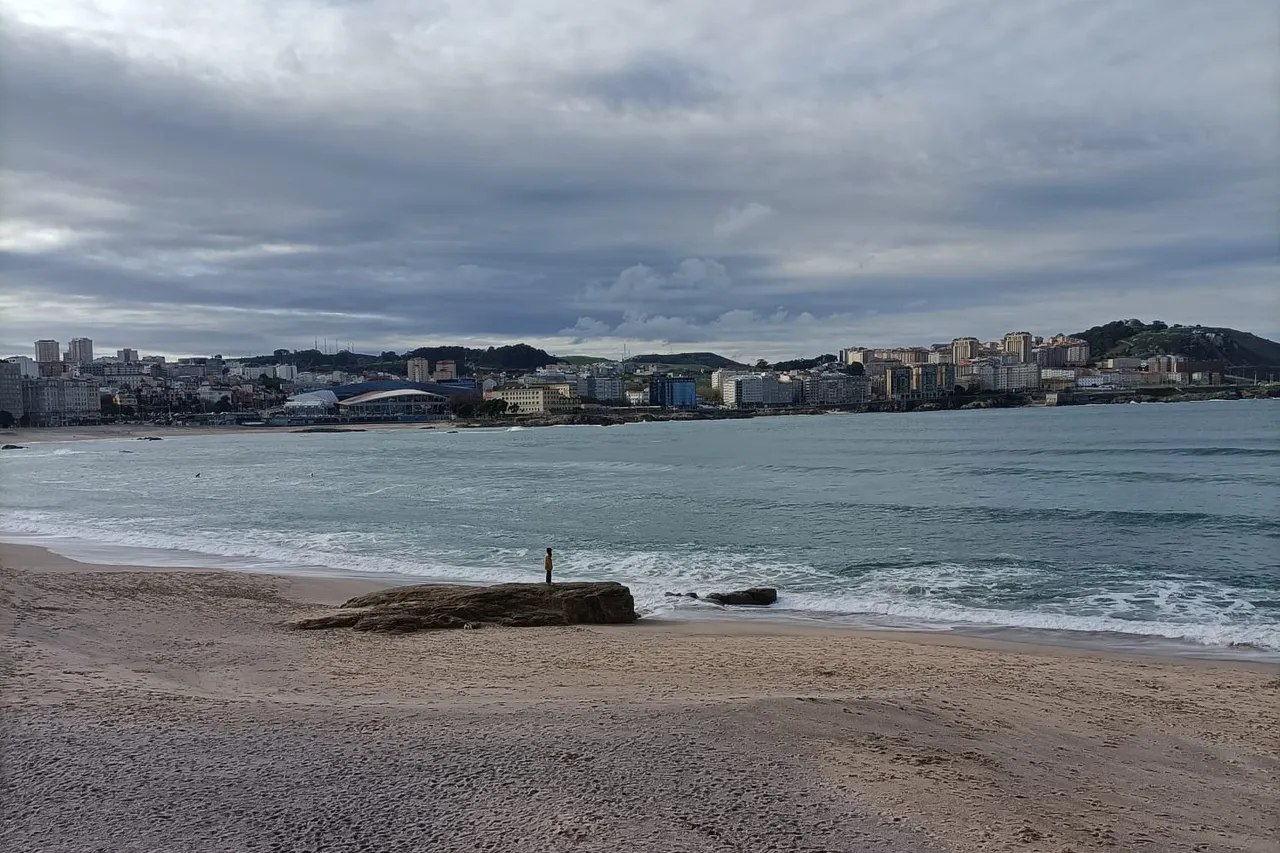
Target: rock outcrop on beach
{"type": "Point", "coordinates": [13, 447]}
{"type": "Point", "coordinates": [433, 607]}
{"type": "Point", "coordinates": [757, 596]}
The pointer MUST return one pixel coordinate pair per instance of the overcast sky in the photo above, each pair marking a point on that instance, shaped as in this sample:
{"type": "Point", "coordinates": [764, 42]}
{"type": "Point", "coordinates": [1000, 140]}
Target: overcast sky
{"type": "Point", "coordinates": [755, 177]}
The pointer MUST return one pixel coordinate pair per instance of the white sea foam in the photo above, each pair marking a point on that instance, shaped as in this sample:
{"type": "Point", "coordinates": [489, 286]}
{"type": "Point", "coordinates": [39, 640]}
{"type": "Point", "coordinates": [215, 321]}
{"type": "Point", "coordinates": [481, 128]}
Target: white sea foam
{"type": "Point", "coordinates": [1204, 613]}
{"type": "Point", "coordinates": [256, 549]}
{"type": "Point", "coordinates": [1209, 633]}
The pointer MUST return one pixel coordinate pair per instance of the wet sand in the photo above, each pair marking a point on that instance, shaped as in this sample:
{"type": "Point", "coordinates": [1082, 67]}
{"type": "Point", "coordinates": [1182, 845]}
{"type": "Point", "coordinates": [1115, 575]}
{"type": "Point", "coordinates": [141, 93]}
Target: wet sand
{"type": "Point", "coordinates": [154, 709]}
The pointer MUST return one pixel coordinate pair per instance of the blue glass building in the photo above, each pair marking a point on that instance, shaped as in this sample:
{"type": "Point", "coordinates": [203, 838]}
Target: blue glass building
{"type": "Point", "coordinates": [673, 392]}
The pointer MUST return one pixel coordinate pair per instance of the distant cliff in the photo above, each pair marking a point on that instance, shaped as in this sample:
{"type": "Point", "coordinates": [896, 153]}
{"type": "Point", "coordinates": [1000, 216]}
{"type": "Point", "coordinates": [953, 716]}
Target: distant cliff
{"type": "Point", "coordinates": [1137, 339]}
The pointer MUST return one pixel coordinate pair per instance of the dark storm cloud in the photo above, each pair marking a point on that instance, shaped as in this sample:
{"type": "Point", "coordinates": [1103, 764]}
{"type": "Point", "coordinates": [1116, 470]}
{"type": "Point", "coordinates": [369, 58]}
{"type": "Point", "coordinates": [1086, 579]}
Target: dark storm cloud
{"type": "Point", "coordinates": [685, 174]}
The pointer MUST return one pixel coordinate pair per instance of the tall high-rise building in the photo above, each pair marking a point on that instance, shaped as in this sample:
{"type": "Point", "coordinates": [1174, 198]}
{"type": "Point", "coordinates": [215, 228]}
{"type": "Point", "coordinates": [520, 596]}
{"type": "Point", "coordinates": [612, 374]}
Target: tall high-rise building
{"type": "Point", "coordinates": [1019, 344]}
{"type": "Point", "coordinates": [80, 351]}
{"type": "Point", "coordinates": [419, 370]}
{"type": "Point", "coordinates": [48, 352]}
{"type": "Point", "coordinates": [965, 349]}
{"type": "Point", "coordinates": [126, 355]}
{"type": "Point", "coordinates": [11, 391]}
{"type": "Point", "coordinates": [446, 370]}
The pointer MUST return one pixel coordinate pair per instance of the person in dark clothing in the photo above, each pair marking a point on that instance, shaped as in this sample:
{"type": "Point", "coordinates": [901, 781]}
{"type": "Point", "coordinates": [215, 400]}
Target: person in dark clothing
{"type": "Point", "coordinates": [546, 564]}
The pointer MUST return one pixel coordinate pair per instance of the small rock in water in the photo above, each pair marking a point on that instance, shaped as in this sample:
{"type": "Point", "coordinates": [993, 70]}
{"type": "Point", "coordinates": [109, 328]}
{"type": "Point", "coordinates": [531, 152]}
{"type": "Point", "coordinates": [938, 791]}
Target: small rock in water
{"type": "Point", "coordinates": [13, 447]}
{"type": "Point", "coordinates": [756, 596]}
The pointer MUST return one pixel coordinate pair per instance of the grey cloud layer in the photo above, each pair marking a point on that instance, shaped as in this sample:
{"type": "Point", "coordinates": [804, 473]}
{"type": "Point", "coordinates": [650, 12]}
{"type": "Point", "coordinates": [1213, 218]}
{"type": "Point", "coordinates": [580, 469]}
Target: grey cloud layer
{"type": "Point", "coordinates": [751, 179]}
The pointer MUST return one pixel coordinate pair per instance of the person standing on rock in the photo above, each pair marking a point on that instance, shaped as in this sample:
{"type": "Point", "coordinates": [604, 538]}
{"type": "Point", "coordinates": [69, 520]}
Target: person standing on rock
{"type": "Point", "coordinates": [546, 564]}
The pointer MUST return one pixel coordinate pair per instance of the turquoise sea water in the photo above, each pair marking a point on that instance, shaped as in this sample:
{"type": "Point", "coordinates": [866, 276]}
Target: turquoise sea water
{"type": "Point", "coordinates": [1158, 520]}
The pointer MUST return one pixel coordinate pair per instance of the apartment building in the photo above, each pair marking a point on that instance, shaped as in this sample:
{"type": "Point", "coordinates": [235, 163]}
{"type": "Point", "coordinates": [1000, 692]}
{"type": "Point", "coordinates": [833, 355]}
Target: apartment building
{"type": "Point", "coordinates": [603, 388]}
{"type": "Point", "coordinates": [836, 389]}
{"type": "Point", "coordinates": [28, 367]}
{"type": "Point", "coordinates": [743, 391]}
{"type": "Point", "coordinates": [965, 349]}
{"type": "Point", "coordinates": [909, 355]}
{"type": "Point", "coordinates": [897, 383]}
{"type": "Point", "coordinates": [932, 380]}
{"type": "Point", "coordinates": [48, 351]}
{"type": "Point", "coordinates": [80, 351]}
{"type": "Point", "coordinates": [419, 370]}
{"type": "Point", "coordinates": [1075, 352]}
{"type": "Point", "coordinates": [51, 402]}
{"type": "Point", "coordinates": [993, 376]}
{"type": "Point", "coordinates": [1049, 356]}
{"type": "Point", "coordinates": [11, 390]}
{"type": "Point", "coordinates": [722, 375]}
{"type": "Point", "coordinates": [857, 355]}
{"type": "Point", "coordinates": [1019, 344]}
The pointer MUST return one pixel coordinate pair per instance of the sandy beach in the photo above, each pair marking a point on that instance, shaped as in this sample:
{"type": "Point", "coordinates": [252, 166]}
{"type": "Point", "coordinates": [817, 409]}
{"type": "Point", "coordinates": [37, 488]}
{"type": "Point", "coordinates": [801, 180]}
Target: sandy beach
{"type": "Point", "coordinates": [171, 710]}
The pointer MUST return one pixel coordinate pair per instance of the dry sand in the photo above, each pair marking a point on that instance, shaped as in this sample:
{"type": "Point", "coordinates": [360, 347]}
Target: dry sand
{"type": "Point", "coordinates": [151, 710]}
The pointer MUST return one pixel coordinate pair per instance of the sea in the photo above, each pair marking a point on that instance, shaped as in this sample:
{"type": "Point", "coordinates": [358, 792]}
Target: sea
{"type": "Point", "coordinates": [1130, 525]}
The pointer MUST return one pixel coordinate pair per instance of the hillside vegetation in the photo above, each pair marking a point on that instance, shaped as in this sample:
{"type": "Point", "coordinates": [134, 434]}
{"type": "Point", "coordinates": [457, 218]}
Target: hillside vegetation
{"type": "Point", "coordinates": [519, 357]}
{"type": "Point", "coordinates": [1137, 339]}
{"type": "Point", "coordinates": [688, 359]}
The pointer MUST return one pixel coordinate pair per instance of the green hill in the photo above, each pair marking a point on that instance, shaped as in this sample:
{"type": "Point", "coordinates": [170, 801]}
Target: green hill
{"type": "Point", "coordinates": [1137, 339]}
{"type": "Point", "coordinates": [519, 357]}
{"type": "Point", "coordinates": [688, 359]}
{"type": "Point", "coordinates": [580, 359]}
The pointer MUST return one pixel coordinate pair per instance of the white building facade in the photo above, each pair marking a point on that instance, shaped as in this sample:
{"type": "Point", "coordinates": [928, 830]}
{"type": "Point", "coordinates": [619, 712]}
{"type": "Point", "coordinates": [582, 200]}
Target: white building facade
{"type": "Point", "coordinates": [1007, 377]}
{"type": "Point", "coordinates": [50, 402]}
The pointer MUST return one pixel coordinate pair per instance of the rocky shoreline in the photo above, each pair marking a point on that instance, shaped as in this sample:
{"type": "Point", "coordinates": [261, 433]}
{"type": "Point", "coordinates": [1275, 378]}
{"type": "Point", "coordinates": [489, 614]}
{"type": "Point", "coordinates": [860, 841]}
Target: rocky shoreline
{"type": "Point", "coordinates": [617, 417]}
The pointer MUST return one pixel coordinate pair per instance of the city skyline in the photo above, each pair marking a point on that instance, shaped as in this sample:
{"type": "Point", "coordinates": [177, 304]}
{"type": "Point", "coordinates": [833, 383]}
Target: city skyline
{"type": "Point", "coordinates": [110, 351]}
{"type": "Point", "coordinates": [676, 176]}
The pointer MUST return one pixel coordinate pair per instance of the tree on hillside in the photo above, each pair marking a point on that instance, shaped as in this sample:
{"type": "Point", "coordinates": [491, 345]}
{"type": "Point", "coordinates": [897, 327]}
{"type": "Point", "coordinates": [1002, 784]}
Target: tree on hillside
{"type": "Point", "coordinates": [492, 408]}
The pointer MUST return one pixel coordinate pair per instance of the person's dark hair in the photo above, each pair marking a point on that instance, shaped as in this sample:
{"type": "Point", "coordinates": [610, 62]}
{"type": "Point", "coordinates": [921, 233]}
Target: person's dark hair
{"type": "Point", "coordinates": [548, 552]}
